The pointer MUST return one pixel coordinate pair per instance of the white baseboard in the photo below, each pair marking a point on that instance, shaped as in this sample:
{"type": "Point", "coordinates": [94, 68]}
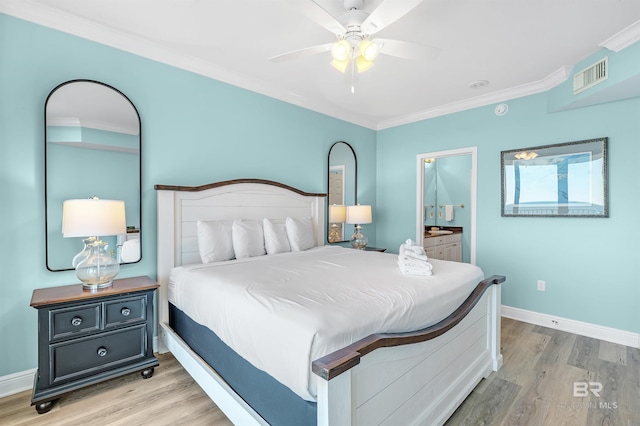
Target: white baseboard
{"type": "Point", "coordinates": [595, 331]}
{"type": "Point", "coordinates": [16, 382]}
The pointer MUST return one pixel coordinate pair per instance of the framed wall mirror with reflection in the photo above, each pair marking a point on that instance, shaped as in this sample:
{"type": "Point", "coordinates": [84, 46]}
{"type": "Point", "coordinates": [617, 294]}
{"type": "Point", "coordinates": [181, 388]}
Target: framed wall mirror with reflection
{"type": "Point", "coordinates": [561, 180]}
{"type": "Point", "coordinates": [343, 187]}
{"type": "Point", "coordinates": [92, 148]}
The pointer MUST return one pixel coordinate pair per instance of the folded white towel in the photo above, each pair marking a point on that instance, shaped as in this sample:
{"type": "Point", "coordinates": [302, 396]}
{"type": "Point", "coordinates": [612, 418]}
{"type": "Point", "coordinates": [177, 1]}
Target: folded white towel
{"type": "Point", "coordinates": [413, 255]}
{"type": "Point", "coordinates": [411, 246]}
{"type": "Point", "coordinates": [415, 264]}
{"type": "Point", "coordinates": [406, 270]}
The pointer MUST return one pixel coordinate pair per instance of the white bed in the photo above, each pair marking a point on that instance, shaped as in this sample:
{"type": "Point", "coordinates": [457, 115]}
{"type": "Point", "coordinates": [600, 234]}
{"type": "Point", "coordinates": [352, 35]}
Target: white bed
{"type": "Point", "coordinates": [415, 377]}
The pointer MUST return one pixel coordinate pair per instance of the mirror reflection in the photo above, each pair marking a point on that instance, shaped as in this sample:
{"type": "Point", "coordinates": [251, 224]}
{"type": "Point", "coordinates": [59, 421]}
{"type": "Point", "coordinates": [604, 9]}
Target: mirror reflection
{"type": "Point", "coordinates": [567, 179]}
{"type": "Point", "coordinates": [92, 148]}
{"type": "Point", "coordinates": [446, 202]}
{"type": "Point", "coordinates": [343, 181]}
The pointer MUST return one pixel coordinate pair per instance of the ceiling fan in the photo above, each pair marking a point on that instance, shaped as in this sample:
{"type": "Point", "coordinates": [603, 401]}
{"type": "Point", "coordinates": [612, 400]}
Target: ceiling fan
{"type": "Point", "coordinates": [353, 29]}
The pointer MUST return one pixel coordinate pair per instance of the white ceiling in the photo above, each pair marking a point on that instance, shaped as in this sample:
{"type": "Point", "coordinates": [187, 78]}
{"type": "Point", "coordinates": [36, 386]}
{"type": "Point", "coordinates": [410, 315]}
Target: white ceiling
{"type": "Point", "coordinates": [519, 46]}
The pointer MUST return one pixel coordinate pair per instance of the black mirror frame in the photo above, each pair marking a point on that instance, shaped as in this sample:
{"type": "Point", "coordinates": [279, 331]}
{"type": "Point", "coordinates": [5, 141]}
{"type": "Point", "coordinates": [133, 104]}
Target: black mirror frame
{"type": "Point", "coordinates": [355, 187]}
{"type": "Point", "coordinates": [46, 224]}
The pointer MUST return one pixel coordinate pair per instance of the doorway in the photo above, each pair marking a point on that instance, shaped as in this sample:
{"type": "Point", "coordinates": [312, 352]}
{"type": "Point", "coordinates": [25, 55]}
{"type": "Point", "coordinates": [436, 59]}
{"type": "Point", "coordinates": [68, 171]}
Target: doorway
{"type": "Point", "coordinates": [432, 212]}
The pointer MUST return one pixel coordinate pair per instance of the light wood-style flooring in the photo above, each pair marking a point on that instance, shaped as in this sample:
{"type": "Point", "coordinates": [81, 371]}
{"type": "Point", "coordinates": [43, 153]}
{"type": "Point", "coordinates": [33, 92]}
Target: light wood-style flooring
{"type": "Point", "coordinates": [534, 387]}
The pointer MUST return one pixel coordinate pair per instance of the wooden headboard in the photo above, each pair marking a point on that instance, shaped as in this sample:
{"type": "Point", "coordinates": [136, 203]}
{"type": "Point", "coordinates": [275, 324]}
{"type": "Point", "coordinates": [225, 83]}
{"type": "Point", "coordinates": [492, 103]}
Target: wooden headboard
{"type": "Point", "coordinates": [180, 207]}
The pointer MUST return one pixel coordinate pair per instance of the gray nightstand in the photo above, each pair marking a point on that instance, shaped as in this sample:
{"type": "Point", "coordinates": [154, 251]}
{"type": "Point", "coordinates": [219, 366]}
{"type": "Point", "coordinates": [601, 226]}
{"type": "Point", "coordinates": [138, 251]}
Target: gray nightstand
{"type": "Point", "coordinates": [381, 250]}
{"type": "Point", "coordinates": [87, 337]}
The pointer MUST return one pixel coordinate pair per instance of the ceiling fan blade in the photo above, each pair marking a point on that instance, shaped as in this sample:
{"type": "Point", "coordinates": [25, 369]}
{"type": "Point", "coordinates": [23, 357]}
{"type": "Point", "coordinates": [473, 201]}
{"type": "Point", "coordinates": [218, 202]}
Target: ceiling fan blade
{"type": "Point", "coordinates": [318, 14]}
{"type": "Point", "coordinates": [407, 50]}
{"type": "Point", "coordinates": [301, 53]}
{"type": "Point", "coordinates": [387, 13]}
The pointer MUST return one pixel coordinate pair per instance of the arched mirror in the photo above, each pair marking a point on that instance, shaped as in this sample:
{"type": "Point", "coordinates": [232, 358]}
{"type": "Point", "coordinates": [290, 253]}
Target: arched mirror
{"type": "Point", "coordinates": [343, 187]}
{"type": "Point", "coordinates": [92, 148]}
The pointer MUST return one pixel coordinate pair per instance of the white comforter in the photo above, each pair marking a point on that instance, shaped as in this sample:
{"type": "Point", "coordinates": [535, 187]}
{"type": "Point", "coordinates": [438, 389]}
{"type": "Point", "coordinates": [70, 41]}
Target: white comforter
{"type": "Point", "coordinates": [281, 312]}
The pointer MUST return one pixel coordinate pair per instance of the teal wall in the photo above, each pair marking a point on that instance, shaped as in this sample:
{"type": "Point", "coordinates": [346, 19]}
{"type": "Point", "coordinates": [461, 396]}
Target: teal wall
{"type": "Point", "coordinates": [195, 130]}
{"type": "Point", "coordinates": [586, 262]}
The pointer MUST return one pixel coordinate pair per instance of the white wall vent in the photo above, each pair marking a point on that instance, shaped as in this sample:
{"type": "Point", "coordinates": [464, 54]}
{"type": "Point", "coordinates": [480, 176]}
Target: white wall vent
{"type": "Point", "coordinates": [589, 77]}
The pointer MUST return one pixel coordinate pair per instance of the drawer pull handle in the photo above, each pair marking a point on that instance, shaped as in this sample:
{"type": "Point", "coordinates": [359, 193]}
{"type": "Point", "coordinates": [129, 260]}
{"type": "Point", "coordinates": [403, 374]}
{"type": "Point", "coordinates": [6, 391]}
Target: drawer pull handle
{"type": "Point", "coordinates": [76, 321]}
{"type": "Point", "coordinates": [125, 312]}
{"type": "Point", "coordinates": [102, 351]}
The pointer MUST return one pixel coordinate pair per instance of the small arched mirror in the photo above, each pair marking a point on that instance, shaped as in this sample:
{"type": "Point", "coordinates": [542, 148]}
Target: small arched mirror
{"type": "Point", "coordinates": [92, 148]}
{"type": "Point", "coordinates": [343, 187]}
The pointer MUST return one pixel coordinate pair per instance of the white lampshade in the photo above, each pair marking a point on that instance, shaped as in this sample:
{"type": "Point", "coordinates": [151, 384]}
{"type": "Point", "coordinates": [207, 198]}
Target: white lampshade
{"type": "Point", "coordinates": [359, 214]}
{"type": "Point", "coordinates": [93, 217]}
{"type": "Point", "coordinates": [340, 65]}
{"type": "Point", "coordinates": [369, 50]}
{"type": "Point", "coordinates": [341, 50]}
{"type": "Point", "coordinates": [362, 64]}
{"type": "Point", "coordinates": [337, 213]}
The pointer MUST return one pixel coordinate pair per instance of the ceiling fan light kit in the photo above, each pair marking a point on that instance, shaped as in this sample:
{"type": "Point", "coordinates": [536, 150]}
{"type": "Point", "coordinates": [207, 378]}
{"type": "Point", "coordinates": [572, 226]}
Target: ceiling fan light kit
{"type": "Point", "coordinates": [354, 29]}
{"type": "Point", "coordinates": [369, 50]}
{"type": "Point", "coordinates": [363, 56]}
{"type": "Point", "coordinates": [341, 50]}
{"type": "Point", "coordinates": [362, 64]}
{"type": "Point", "coordinates": [340, 65]}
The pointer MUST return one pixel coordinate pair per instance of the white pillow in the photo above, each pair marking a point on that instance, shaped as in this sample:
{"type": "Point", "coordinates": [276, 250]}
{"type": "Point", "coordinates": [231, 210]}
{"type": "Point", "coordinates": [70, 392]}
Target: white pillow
{"type": "Point", "coordinates": [275, 237]}
{"type": "Point", "coordinates": [214, 241]}
{"type": "Point", "coordinates": [300, 233]}
{"type": "Point", "coordinates": [248, 238]}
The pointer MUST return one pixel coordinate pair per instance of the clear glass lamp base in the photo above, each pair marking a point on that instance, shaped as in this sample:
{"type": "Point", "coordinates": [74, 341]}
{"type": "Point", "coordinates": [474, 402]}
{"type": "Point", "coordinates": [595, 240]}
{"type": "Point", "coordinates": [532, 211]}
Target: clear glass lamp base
{"type": "Point", "coordinates": [334, 233]}
{"type": "Point", "coordinates": [98, 269]}
{"type": "Point", "coordinates": [358, 239]}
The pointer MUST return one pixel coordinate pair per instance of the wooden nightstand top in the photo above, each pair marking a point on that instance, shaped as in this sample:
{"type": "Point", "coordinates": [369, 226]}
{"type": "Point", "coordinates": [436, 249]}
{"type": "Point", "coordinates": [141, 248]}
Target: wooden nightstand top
{"type": "Point", "coordinates": [73, 292]}
{"type": "Point", "coordinates": [381, 250]}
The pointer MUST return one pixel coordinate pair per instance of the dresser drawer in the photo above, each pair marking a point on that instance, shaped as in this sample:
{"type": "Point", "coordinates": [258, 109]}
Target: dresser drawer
{"type": "Point", "coordinates": [77, 320]}
{"type": "Point", "coordinates": [442, 239]}
{"type": "Point", "coordinates": [125, 311]}
{"type": "Point", "coordinates": [91, 355]}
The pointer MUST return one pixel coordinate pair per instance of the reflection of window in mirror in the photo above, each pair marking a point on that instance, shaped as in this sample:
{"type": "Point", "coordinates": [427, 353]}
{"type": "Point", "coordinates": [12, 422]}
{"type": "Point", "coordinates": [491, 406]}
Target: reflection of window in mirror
{"type": "Point", "coordinates": [336, 196]}
{"type": "Point", "coordinates": [92, 148]}
{"type": "Point", "coordinates": [336, 185]}
{"type": "Point", "coordinates": [567, 179]}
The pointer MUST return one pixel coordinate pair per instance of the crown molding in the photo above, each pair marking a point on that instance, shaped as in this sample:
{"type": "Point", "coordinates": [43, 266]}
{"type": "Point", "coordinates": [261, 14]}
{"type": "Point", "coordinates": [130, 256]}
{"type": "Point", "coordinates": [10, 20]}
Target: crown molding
{"type": "Point", "coordinates": [624, 38]}
{"type": "Point", "coordinates": [552, 80]}
{"type": "Point", "coordinates": [92, 124]}
{"type": "Point", "coordinates": [62, 21]}
{"type": "Point", "coordinates": [83, 28]}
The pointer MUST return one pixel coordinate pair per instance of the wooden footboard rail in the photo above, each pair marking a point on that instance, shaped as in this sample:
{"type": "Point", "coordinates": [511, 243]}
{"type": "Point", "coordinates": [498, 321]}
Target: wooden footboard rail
{"type": "Point", "coordinates": [338, 362]}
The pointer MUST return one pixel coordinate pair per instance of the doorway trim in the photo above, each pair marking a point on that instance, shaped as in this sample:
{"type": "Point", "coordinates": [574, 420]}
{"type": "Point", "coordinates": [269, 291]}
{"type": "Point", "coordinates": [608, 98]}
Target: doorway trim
{"type": "Point", "coordinates": [473, 151]}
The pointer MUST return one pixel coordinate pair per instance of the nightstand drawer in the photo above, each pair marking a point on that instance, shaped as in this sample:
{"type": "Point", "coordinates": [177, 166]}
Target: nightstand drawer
{"type": "Point", "coordinates": [87, 337]}
{"type": "Point", "coordinates": [125, 311]}
{"type": "Point", "coordinates": [83, 357]}
{"type": "Point", "coordinates": [73, 321]}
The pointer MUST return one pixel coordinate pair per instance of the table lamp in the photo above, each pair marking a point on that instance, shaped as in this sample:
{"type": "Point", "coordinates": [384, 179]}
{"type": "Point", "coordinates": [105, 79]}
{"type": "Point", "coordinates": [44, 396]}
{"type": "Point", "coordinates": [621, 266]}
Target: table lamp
{"type": "Point", "coordinates": [337, 214]}
{"type": "Point", "coordinates": [94, 218]}
{"type": "Point", "coordinates": [359, 215]}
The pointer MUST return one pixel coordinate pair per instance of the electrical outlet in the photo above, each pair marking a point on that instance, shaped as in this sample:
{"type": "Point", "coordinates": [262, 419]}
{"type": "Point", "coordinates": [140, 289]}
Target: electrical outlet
{"type": "Point", "coordinates": [541, 285]}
